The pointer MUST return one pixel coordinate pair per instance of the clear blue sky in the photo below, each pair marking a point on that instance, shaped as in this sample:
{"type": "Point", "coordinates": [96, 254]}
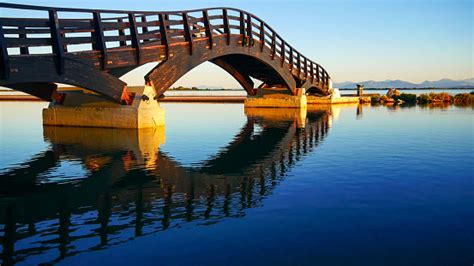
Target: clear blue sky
{"type": "Point", "coordinates": [413, 40]}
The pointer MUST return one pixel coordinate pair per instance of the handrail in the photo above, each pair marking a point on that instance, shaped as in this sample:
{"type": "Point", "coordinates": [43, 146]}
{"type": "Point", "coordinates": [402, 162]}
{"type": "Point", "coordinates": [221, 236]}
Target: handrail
{"type": "Point", "coordinates": [250, 27]}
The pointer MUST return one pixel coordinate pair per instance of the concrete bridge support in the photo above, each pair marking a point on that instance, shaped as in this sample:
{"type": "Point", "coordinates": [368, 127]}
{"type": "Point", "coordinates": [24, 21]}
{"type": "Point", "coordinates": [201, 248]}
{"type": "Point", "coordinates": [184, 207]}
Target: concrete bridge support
{"type": "Point", "coordinates": [276, 98]}
{"type": "Point", "coordinates": [87, 109]}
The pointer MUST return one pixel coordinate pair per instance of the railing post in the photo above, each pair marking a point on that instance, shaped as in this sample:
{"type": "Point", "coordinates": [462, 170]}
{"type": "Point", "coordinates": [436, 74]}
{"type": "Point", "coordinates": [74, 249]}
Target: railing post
{"type": "Point", "coordinates": [22, 35]}
{"type": "Point", "coordinates": [242, 27]}
{"type": "Point", "coordinates": [282, 53]}
{"type": "Point", "coordinates": [207, 26]}
{"type": "Point", "coordinates": [56, 40]}
{"type": "Point", "coordinates": [312, 71]}
{"type": "Point", "coordinates": [225, 19]}
{"type": "Point", "coordinates": [4, 60]}
{"type": "Point", "coordinates": [121, 34]}
{"type": "Point", "coordinates": [134, 35]}
{"type": "Point", "coordinates": [249, 30]}
{"type": "Point", "coordinates": [273, 45]}
{"type": "Point", "coordinates": [164, 34]}
{"type": "Point", "coordinates": [305, 64]}
{"type": "Point", "coordinates": [262, 35]}
{"type": "Point", "coordinates": [187, 32]}
{"type": "Point", "coordinates": [298, 63]}
{"type": "Point", "coordinates": [291, 58]}
{"type": "Point", "coordinates": [99, 38]}
{"type": "Point", "coordinates": [317, 74]}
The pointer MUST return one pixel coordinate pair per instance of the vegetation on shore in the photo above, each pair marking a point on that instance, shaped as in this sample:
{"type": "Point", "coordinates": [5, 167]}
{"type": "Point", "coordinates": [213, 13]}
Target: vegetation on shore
{"type": "Point", "coordinates": [394, 96]}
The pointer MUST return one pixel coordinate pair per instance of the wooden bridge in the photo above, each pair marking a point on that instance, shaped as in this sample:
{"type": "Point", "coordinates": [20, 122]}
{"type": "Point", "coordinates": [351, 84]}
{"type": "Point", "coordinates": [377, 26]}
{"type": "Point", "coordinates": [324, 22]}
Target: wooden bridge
{"type": "Point", "coordinates": [91, 49]}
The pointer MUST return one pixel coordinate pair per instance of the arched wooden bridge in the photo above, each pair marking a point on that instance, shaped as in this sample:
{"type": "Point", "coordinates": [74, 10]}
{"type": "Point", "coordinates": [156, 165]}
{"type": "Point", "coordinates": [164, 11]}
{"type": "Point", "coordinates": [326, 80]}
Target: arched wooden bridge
{"type": "Point", "coordinates": [93, 48]}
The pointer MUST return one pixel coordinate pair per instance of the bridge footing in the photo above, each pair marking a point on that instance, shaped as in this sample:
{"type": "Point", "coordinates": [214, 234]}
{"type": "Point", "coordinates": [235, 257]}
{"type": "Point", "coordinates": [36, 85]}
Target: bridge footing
{"type": "Point", "coordinates": [271, 98]}
{"type": "Point", "coordinates": [83, 110]}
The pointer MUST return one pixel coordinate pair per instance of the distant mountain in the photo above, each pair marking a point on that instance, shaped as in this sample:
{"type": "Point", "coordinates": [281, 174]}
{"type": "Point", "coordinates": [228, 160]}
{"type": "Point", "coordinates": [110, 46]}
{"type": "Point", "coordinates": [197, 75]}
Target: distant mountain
{"type": "Point", "coordinates": [442, 83]}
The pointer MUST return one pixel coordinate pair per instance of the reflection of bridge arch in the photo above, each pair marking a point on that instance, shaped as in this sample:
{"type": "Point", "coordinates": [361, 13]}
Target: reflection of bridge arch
{"type": "Point", "coordinates": [135, 180]}
{"type": "Point", "coordinates": [113, 42]}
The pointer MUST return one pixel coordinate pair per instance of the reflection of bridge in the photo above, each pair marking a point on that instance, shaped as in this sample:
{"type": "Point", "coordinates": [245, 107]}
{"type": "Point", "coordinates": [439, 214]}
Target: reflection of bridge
{"type": "Point", "coordinates": [92, 48]}
{"type": "Point", "coordinates": [133, 187]}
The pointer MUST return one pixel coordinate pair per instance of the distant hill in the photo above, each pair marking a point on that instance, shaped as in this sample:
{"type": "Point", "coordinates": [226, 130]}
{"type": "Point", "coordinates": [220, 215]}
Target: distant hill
{"type": "Point", "coordinates": [442, 83]}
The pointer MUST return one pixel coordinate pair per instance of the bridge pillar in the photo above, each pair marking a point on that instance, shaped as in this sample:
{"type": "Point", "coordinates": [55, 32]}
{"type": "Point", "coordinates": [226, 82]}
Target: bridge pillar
{"type": "Point", "coordinates": [276, 98]}
{"type": "Point", "coordinates": [85, 109]}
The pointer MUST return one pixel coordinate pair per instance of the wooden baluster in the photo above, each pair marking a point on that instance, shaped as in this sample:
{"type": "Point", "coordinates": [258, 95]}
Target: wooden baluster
{"type": "Point", "coordinates": [317, 74]}
{"type": "Point", "coordinates": [225, 19]}
{"type": "Point", "coordinates": [312, 71]}
{"type": "Point", "coordinates": [100, 39]}
{"type": "Point", "coordinates": [242, 27]}
{"type": "Point", "coordinates": [249, 30]}
{"type": "Point", "coordinates": [145, 28]}
{"type": "Point", "coordinates": [282, 52]}
{"type": "Point", "coordinates": [187, 32]}
{"type": "Point", "coordinates": [207, 26]}
{"type": "Point", "coordinates": [291, 58]}
{"type": "Point", "coordinates": [22, 36]}
{"type": "Point", "coordinates": [262, 35]}
{"type": "Point", "coordinates": [134, 35]}
{"type": "Point", "coordinates": [56, 40]}
{"type": "Point", "coordinates": [298, 63]}
{"type": "Point", "coordinates": [273, 45]}
{"type": "Point", "coordinates": [164, 34]}
{"type": "Point", "coordinates": [122, 34]}
{"type": "Point", "coordinates": [305, 64]}
{"type": "Point", "coordinates": [4, 60]}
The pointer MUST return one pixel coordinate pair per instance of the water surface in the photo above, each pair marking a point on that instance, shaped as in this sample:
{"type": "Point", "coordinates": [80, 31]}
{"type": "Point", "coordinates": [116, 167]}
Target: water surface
{"type": "Point", "coordinates": [220, 185]}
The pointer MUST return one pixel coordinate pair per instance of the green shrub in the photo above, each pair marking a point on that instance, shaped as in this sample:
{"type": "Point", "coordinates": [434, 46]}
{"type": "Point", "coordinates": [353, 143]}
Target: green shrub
{"type": "Point", "coordinates": [407, 98]}
{"type": "Point", "coordinates": [423, 98]}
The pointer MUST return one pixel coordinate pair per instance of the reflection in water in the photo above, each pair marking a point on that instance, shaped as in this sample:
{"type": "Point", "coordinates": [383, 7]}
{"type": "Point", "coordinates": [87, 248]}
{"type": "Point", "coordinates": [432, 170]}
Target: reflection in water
{"type": "Point", "coordinates": [127, 187]}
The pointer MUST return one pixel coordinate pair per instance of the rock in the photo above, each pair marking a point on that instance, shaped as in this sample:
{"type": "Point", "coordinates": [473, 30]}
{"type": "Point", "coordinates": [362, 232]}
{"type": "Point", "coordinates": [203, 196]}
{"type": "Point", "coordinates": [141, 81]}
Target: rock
{"type": "Point", "coordinates": [393, 92]}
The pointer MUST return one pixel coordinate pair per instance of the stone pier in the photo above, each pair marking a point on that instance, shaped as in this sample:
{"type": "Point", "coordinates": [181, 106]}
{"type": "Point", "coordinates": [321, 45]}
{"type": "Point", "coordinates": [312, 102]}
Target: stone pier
{"type": "Point", "coordinates": [86, 109]}
{"type": "Point", "coordinates": [276, 98]}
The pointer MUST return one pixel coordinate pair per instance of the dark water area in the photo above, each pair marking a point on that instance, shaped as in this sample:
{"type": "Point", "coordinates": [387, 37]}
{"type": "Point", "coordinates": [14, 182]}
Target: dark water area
{"type": "Point", "coordinates": [340, 185]}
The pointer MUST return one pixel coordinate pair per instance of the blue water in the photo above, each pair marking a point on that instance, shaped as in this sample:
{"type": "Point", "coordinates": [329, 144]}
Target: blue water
{"type": "Point", "coordinates": [349, 186]}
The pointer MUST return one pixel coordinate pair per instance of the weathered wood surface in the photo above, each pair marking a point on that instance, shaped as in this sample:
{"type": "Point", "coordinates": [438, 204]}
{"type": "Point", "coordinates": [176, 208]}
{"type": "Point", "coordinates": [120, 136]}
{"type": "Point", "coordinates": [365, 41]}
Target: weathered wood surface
{"type": "Point", "coordinates": [93, 52]}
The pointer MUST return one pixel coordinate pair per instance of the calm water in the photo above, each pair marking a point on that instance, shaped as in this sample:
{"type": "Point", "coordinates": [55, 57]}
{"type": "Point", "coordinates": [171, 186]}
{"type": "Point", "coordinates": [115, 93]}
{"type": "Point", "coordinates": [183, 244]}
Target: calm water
{"type": "Point", "coordinates": [218, 185]}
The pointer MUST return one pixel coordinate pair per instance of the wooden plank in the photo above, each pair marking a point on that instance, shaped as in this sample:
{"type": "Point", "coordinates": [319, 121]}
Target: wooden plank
{"type": "Point", "coordinates": [164, 34]}
{"type": "Point", "coordinates": [17, 42]}
{"type": "Point", "coordinates": [24, 22]}
{"type": "Point", "coordinates": [99, 42]}
{"type": "Point", "coordinates": [56, 40]}
{"type": "Point", "coordinates": [187, 32]}
{"type": "Point", "coordinates": [207, 26]}
{"type": "Point", "coordinates": [134, 34]}
{"type": "Point", "coordinates": [226, 25]}
{"type": "Point", "coordinates": [77, 40]}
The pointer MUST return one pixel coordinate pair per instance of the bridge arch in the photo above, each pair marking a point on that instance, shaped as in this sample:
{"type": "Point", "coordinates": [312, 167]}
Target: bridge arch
{"type": "Point", "coordinates": [239, 61]}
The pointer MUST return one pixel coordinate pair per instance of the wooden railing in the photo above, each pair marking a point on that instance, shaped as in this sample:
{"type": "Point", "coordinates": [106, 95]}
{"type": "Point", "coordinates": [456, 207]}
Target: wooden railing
{"type": "Point", "coordinates": [72, 30]}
